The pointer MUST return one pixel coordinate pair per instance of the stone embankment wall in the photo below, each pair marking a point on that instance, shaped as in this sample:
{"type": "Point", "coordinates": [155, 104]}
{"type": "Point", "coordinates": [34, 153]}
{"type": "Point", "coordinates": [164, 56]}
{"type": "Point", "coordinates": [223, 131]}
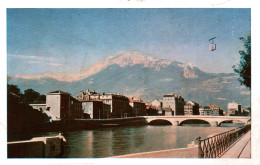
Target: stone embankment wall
{"type": "Point", "coordinates": [42, 147]}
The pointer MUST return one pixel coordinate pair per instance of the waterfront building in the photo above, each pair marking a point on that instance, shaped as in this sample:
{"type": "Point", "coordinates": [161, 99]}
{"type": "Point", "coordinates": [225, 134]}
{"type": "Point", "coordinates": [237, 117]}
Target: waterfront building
{"type": "Point", "coordinates": [167, 111]}
{"type": "Point", "coordinates": [157, 103]}
{"type": "Point", "coordinates": [148, 104]}
{"type": "Point", "coordinates": [138, 106]}
{"type": "Point", "coordinates": [87, 95]}
{"type": "Point", "coordinates": [151, 111]}
{"type": "Point", "coordinates": [120, 106]}
{"type": "Point", "coordinates": [234, 108]}
{"type": "Point", "coordinates": [160, 111]}
{"type": "Point", "coordinates": [215, 110]}
{"type": "Point", "coordinates": [95, 109]}
{"type": "Point", "coordinates": [191, 108]}
{"type": "Point", "coordinates": [205, 111]}
{"type": "Point", "coordinates": [61, 105]}
{"type": "Point", "coordinates": [175, 102]}
{"type": "Point", "coordinates": [211, 110]}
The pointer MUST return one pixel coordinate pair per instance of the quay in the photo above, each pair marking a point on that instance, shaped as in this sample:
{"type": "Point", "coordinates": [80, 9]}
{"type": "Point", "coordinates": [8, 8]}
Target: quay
{"type": "Point", "coordinates": [39, 147]}
{"type": "Point", "coordinates": [241, 148]}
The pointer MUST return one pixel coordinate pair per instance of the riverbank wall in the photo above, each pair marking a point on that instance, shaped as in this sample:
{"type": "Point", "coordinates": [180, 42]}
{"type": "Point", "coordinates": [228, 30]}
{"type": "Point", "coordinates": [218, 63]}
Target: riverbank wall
{"type": "Point", "coordinates": [41, 147]}
{"type": "Point", "coordinates": [78, 124]}
{"type": "Point", "coordinates": [105, 123]}
{"type": "Point", "coordinates": [88, 124]}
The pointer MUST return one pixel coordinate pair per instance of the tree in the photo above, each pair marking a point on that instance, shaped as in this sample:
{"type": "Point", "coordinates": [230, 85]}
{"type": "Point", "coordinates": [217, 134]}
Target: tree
{"type": "Point", "coordinates": [42, 98]}
{"type": "Point", "coordinates": [244, 68]}
{"type": "Point", "coordinates": [22, 118]}
{"type": "Point", "coordinates": [13, 89]}
{"type": "Point", "coordinates": [30, 95]}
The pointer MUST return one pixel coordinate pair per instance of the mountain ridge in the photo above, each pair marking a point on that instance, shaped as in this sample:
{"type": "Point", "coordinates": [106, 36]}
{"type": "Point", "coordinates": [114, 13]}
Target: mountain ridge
{"type": "Point", "coordinates": [149, 78]}
{"type": "Point", "coordinates": [122, 59]}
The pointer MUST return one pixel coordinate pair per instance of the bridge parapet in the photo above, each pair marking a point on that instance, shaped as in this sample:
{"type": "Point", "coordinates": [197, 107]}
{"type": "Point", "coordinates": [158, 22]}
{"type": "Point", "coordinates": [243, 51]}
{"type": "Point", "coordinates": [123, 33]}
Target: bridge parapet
{"type": "Point", "coordinates": [212, 120]}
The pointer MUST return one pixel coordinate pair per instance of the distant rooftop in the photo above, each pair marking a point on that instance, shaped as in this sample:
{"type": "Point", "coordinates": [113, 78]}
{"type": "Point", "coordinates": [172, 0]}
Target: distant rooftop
{"type": "Point", "coordinates": [172, 95]}
{"type": "Point", "coordinates": [216, 106]}
{"type": "Point", "coordinates": [135, 99]}
{"type": "Point", "coordinates": [59, 92]}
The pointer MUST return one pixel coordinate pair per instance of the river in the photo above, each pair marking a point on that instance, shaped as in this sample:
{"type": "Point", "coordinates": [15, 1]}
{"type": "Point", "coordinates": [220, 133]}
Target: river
{"type": "Point", "coordinates": [108, 142]}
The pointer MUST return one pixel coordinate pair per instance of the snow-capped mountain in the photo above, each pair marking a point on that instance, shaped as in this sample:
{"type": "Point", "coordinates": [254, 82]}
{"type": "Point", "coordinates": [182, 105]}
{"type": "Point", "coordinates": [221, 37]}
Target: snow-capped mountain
{"type": "Point", "coordinates": [122, 59]}
{"type": "Point", "coordinates": [141, 75]}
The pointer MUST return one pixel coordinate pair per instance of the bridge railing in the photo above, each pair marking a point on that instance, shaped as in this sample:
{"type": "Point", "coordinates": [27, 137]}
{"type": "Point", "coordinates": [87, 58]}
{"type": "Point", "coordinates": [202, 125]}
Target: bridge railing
{"type": "Point", "coordinates": [215, 146]}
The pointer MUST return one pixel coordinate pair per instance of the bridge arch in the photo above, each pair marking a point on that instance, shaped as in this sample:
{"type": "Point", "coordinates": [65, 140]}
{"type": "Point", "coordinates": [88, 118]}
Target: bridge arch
{"type": "Point", "coordinates": [196, 121]}
{"type": "Point", "coordinates": [160, 122]}
{"type": "Point", "coordinates": [232, 120]}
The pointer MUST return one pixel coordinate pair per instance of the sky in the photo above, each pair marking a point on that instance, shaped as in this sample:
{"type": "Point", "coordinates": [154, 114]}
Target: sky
{"type": "Point", "coordinates": [68, 41]}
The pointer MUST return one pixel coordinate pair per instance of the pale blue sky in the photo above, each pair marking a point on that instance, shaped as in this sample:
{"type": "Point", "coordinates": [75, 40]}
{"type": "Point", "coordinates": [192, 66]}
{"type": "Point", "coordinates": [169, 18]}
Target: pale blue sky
{"type": "Point", "coordinates": [69, 40]}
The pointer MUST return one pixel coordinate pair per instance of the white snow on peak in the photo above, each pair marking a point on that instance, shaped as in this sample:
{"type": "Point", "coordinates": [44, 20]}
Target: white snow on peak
{"type": "Point", "coordinates": [135, 58]}
{"type": "Point", "coordinates": [122, 59]}
{"type": "Point", "coordinates": [188, 71]}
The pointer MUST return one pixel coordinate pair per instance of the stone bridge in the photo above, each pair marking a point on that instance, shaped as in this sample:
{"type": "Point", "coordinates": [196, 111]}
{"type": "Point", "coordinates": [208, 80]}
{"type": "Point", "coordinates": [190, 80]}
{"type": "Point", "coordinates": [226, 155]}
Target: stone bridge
{"type": "Point", "coordinates": [214, 121]}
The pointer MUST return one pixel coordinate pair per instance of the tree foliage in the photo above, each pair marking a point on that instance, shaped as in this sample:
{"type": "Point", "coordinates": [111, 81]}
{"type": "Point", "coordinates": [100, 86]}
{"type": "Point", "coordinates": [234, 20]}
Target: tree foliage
{"type": "Point", "coordinates": [30, 95]}
{"type": "Point", "coordinates": [13, 89]}
{"type": "Point", "coordinates": [22, 118]}
{"type": "Point", "coordinates": [244, 67]}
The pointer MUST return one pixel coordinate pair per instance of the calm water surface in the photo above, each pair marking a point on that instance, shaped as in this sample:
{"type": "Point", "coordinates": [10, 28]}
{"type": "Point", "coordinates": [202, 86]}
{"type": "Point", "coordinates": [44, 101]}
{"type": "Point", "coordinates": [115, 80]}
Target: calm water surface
{"type": "Point", "coordinates": [126, 140]}
{"type": "Point", "coordinates": [109, 142]}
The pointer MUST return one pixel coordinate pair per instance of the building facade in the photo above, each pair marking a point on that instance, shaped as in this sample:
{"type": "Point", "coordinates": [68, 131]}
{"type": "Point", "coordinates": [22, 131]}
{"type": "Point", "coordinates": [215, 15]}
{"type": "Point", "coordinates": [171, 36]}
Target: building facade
{"type": "Point", "coordinates": [211, 110]}
{"type": "Point", "coordinates": [119, 104]}
{"type": "Point", "coordinates": [234, 108]}
{"type": "Point", "coordinates": [191, 108]}
{"type": "Point", "coordinates": [175, 102]}
{"type": "Point", "coordinates": [150, 110]}
{"type": "Point", "coordinates": [205, 111]}
{"type": "Point", "coordinates": [215, 110]}
{"type": "Point", "coordinates": [138, 107]}
{"type": "Point", "coordinates": [87, 95]}
{"type": "Point", "coordinates": [94, 109]}
{"type": "Point", "coordinates": [157, 103]}
{"type": "Point", "coordinates": [61, 105]}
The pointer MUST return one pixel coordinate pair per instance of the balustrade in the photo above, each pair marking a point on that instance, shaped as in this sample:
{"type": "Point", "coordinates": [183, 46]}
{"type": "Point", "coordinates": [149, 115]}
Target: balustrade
{"type": "Point", "coordinates": [215, 146]}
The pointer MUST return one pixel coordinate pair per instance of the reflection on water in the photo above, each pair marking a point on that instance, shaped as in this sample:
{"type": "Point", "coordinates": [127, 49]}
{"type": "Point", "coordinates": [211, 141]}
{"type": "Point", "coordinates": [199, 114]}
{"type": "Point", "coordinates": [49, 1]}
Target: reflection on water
{"type": "Point", "coordinates": [109, 142]}
{"type": "Point", "coordinates": [126, 140]}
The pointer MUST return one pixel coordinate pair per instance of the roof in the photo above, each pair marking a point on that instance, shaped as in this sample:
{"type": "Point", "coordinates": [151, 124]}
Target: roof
{"type": "Point", "coordinates": [213, 106]}
{"type": "Point", "coordinates": [59, 92]}
{"type": "Point", "coordinates": [169, 95]}
{"type": "Point", "coordinates": [206, 107]}
{"type": "Point", "coordinates": [172, 95]}
{"type": "Point", "coordinates": [135, 99]}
